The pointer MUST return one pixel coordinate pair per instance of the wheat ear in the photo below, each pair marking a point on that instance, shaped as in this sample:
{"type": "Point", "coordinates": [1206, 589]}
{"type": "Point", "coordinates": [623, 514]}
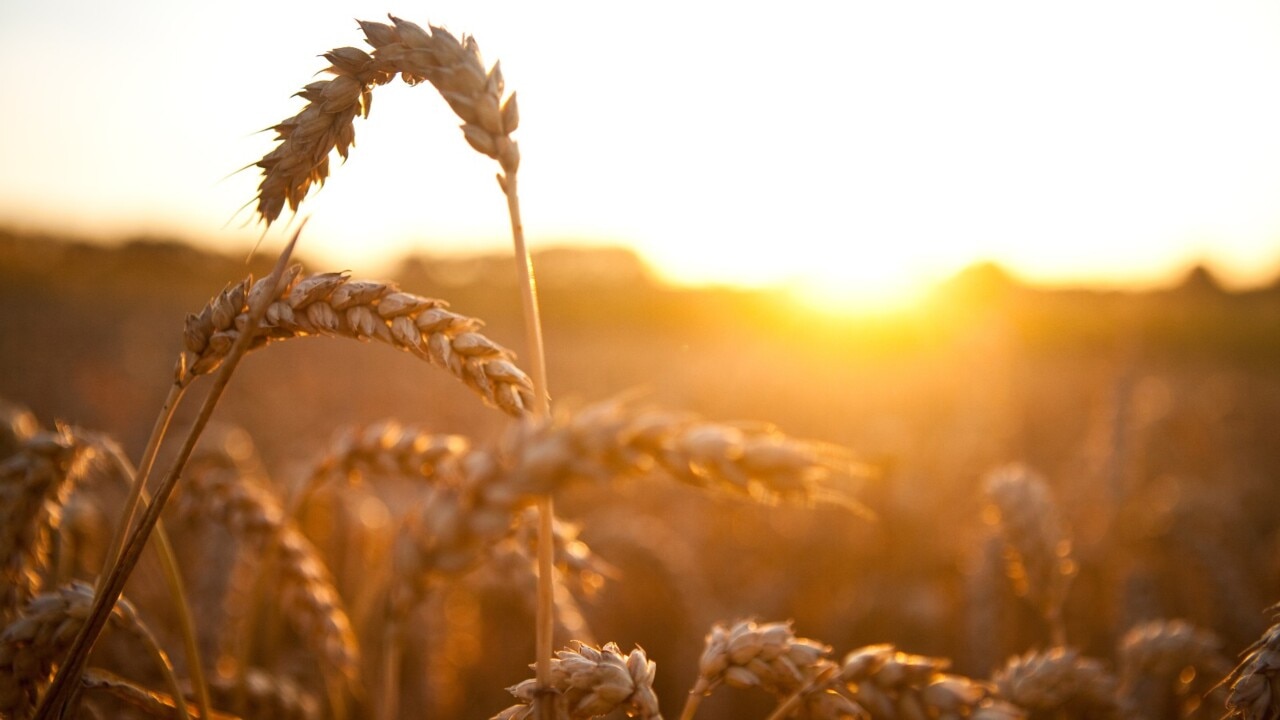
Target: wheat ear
{"type": "Point", "coordinates": [477, 96]}
{"type": "Point", "coordinates": [893, 685]}
{"type": "Point", "coordinates": [332, 304]}
{"type": "Point", "coordinates": [35, 482]}
{"type": "Point", "coordinates": [590, 682]}
{"type": "Point", "coordinates": [1255, 682]}
{"type": "Point", "coordinates": [1037, 545]}
{"type": "Point", "coordinates": [1167, 665]}
{"type": "Point", "coordinates": [217, 493]}
{"type": "Point", "coordinates": [1060, 683]}
{"type": "Point", "coordinates": [747, 655]}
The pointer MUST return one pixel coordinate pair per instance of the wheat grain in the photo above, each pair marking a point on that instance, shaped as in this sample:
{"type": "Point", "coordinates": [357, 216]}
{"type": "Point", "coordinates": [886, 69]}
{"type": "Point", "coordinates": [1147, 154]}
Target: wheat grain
{"type": "Point", "coordinates": [325, 124]}
{"type": "Point", "coordinates": [332, 304]}
{"type": "Point", "coordinates": [591, 682]}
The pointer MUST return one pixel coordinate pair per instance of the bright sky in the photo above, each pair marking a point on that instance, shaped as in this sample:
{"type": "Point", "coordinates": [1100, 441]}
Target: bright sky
{"type": "Point", "coordinates": [866, 146]}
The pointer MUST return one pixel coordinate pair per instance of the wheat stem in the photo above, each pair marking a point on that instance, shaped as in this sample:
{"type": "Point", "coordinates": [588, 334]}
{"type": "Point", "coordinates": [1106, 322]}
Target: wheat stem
{"type": "Point", "coordinates": [67, 678]}
{"type": "Point", "coordinates": [545, 615]}
{"type": "Point", "coordinates": [140, 477]}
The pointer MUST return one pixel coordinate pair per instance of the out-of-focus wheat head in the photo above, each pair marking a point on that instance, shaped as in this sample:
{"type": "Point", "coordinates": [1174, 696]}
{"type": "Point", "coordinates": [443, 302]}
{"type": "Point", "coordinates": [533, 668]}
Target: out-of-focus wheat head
{"type": "Point", "coordinates": [1169, 668]}
{"type": "Point", "coordinates": [893, 685]}
{"type": "Point", "coordinates": [35, 483]}
{"type": "Point", "coordinates": [416, 54]}
{"type": "Point", "coordinates": [1037, 545]}
{"type": "Point", "coordinates": [1060, 683]}
{"type": "Point", "coordinates": [215, 491]}
{"type": "Point", "coordinates": [34, 643]}
{"type": "Point", "coordinates": [1255, 682]}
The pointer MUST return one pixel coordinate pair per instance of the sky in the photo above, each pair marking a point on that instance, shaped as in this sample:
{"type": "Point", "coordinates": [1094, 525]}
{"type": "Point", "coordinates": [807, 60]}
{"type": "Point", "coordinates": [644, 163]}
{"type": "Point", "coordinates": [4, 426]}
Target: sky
{"type": "Point", "coordinates": [860, 149]}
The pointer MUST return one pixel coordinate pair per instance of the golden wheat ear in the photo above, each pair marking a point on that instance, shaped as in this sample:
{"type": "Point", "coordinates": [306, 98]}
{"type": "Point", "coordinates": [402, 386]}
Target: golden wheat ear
{"type": "Point", "coordinates": [327, 122]}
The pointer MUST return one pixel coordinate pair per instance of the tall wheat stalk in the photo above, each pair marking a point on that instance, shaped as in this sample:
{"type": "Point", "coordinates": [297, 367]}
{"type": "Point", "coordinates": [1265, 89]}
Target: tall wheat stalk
{"type": "Point", "coordinates": [476, 94]}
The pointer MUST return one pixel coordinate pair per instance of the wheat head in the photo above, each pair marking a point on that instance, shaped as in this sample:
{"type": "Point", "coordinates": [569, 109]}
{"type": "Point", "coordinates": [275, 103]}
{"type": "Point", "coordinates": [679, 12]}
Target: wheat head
{"type": "Point", "coordinates": [334, 305]}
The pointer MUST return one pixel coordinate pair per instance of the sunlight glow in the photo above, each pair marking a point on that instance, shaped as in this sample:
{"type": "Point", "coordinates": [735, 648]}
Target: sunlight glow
{"type": "Point", "coordinates": [856, 151]}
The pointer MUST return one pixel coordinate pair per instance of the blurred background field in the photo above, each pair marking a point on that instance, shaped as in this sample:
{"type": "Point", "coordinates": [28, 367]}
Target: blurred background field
{"type": "Point", "coordinates": [1152, 414]}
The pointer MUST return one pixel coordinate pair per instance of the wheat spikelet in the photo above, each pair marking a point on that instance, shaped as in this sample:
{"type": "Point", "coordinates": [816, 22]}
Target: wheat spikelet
{"type": "Point", "coordinates": [1255, 682]}
{"type": "Point", "coordinates": [1166, 666]}
{"type": "Point", "coordinates": [217, 493]}
{"type": "Point", "coordinates": [32, 644]}
{"type": "Point", "coordinates": [35, 483]}
{"type": "Point", "coordinates": [892, 685]}
{"type": "Point", "coordinates": [1059, 683]}
{"type": "Point", "coordinates": [333, 304]}
{"type": "Point", "coordinates": [1037, 546]}
{"type": "Point", "coordinates": [592, 682]}
{"type": "Point", "coordinates": [325, 124]}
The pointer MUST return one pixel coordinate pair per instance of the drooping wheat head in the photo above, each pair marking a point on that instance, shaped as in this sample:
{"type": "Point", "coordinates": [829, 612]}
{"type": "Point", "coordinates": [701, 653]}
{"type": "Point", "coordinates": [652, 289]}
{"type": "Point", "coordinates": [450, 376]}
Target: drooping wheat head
{"type": "Point", "coordinates": [215, 492]}
{"type": "Point", "coordinates": [402, 48]}
{"type": "Point", "coordinates": [334, 305]}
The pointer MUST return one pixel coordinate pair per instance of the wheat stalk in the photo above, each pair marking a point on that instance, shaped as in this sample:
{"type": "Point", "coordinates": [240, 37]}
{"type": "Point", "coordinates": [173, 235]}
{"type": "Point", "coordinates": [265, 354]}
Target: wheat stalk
{"type": "Point", "coordinates": [457, 71]}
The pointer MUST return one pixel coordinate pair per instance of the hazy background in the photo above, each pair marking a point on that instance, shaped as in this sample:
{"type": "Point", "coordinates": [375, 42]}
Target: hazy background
{"type": "Point", "coordinates": [862, 149]}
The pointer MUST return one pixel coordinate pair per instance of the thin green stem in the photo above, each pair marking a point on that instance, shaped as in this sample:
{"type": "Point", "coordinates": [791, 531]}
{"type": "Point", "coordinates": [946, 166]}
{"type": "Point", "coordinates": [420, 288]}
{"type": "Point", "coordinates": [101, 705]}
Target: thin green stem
{"type": "Point", "coordinates": [67, 678]}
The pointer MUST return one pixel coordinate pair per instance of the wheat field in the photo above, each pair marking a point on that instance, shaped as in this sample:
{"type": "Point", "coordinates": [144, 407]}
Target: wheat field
{"type": "Point", "coordinates": [697, 504]}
